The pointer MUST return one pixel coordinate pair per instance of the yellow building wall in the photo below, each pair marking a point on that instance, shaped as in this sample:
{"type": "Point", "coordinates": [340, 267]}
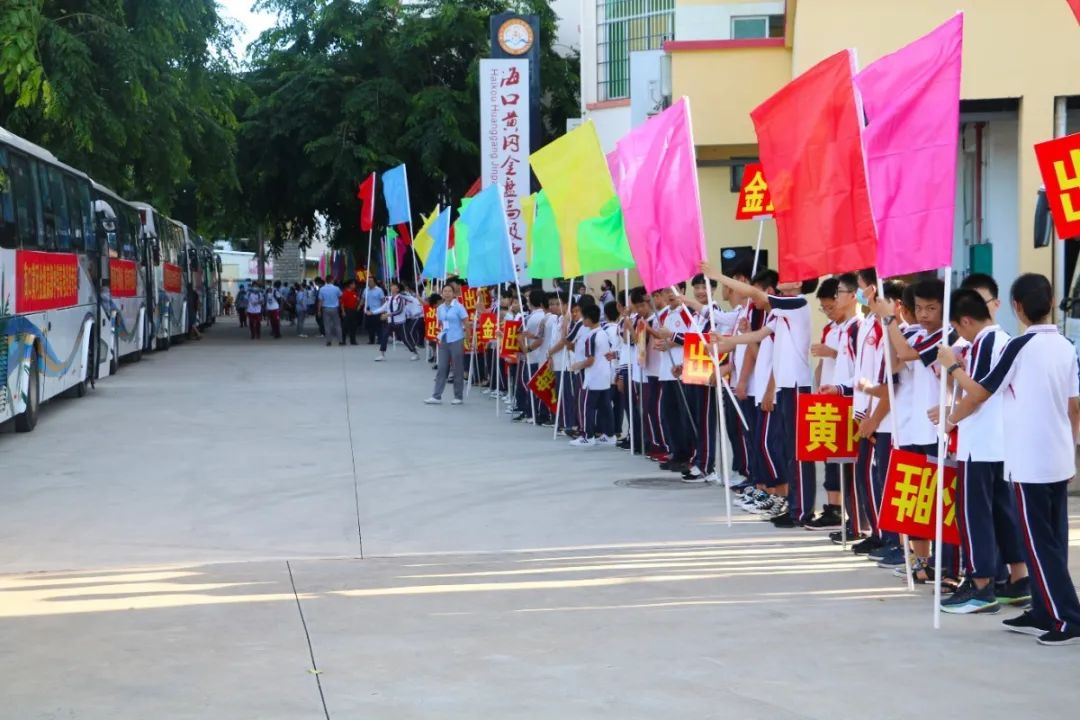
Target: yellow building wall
{"type": "Point", "coordinates": [1011, 50]}
{"type": "Point", "coordinates": [725, 85]}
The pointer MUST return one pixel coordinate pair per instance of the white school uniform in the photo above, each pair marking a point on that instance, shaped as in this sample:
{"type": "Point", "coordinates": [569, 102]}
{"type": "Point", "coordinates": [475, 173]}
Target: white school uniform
{"type": "Point", "coordinates": [669, 359]}
{"type": "Point", "coordinates": [652, 354]}
{"type": "Point", "coordinates": [598, 375]}
{"type": "Point", "coordinates": [980, 437]}
{"type": "Point", "coordinates": [791, 332]}
{"type": "Point", "coordinates": [534, 325]}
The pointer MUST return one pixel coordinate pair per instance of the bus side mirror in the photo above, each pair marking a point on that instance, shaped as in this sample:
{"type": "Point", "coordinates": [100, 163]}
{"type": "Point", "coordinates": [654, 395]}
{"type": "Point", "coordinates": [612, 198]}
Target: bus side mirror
{"type": "Point", "coordinates": [155, 249]}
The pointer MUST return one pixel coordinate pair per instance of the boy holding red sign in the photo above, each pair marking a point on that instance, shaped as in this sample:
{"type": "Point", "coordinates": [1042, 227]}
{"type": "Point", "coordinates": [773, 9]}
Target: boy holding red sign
{"type": "Point", "coordinates": [1038, 372]}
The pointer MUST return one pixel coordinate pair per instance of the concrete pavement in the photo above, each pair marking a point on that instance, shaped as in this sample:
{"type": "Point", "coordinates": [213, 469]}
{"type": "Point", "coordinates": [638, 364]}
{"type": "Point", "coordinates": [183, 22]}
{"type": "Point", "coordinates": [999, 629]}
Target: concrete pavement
{"type": "Point", "coordinates": [186, 542]}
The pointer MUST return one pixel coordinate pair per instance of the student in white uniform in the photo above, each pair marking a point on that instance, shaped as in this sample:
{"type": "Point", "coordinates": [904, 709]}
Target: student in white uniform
{"type": "Point", "coordinates": [597, 423]}
{"type": "Point", "coordinates": [1039, 381]}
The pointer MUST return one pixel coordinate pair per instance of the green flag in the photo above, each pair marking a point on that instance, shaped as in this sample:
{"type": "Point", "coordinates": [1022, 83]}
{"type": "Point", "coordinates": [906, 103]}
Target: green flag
{"type": "Point", "coordinates": [602, 241]}
{"type": "Point", "coordinates": [546, 260]}
{"type": "Point", "coordinates": [457, 261]}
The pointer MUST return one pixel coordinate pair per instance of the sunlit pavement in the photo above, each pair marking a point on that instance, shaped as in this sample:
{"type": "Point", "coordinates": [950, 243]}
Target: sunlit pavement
{"type": "Point", "coordinates": [185, 542]}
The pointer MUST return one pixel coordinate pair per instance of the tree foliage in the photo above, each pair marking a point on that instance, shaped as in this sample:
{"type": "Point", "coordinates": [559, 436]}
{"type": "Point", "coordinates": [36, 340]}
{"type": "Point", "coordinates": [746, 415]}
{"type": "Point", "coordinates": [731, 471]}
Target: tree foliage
{"type": "Point", "coordinates": [346, 88]}
{"type": "Point", "coordinates": [138, 93]}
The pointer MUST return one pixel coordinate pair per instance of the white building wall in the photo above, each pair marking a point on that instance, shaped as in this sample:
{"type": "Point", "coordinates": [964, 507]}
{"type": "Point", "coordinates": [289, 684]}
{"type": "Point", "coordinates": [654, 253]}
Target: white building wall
{"type": "Point", "coordinates": [1002, 211]}
{"type": "Point", "coordinates": [569, 34]}
{"type": "Point", "coordinates": [611, 124]}
{"type": "Point", "coordinates": [713, 22]}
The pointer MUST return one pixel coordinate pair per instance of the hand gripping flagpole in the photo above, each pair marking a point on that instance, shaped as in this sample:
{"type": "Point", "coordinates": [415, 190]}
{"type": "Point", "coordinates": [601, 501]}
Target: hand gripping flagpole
{"type": "Point", "coordinates": [501, 328]}
{"type": "Point", "coordinates": [629, 364]}
{"type": "Point", "coordinates": [942, 446]}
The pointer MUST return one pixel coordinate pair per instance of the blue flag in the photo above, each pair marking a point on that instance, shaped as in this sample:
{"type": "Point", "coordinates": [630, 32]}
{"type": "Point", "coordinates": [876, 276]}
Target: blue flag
{"type": "Point", "coordinates": [435, 267]}
{"type": "Point", "coordinates": [395, 188]}
{"type": "Point", "coordinates": [490, 261]}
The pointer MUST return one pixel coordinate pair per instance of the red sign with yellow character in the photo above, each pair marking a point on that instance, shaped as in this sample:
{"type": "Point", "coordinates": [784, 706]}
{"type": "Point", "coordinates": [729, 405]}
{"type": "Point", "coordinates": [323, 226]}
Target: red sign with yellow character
{"type": "Point", "coordinates": [511, 340]}
{"type": "Point", "coordinates": [909, 506]}
{"type": "Point", "coordinates": [754, 199]}
{"type": "Point", "coordinates": [825, 428]}
{"type": "Point", "coordinates": [697, 365]}
{"type": "Point", "coordinates": [123, 277]}
{"type": "Point", "coordinates": [1059, 163]}
{"type": "Point", "coordinates": [486, 328]}
{"type": "Point", "coordinates": [45, 281]}
{"type": "Point", "coordinates": [431, 323]}
{"type": "Point", "coordinates": [542, 385]}
{"type": "Point", "coordinates": [171, 278]}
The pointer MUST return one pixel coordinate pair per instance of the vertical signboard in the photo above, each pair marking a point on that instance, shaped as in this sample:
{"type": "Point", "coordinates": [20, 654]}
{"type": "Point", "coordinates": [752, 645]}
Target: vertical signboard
{"type": "Point", "coordinates": [504, 143]}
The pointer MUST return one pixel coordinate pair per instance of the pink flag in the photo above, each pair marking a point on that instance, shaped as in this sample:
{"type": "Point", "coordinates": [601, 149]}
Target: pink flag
{"type": "Point", "coordinates": [655, 177]}
{"type": "Point", "coordinates": [912, 103]}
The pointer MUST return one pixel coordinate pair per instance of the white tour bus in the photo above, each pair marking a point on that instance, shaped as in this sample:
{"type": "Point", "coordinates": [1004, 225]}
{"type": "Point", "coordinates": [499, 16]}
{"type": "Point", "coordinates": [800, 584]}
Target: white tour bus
{"type": "Point", "coordinates": [54, 335]}
{"type": "Point", "coordinates": [167, 240]}
{"type": "Point", "coordinates": [125, 296]}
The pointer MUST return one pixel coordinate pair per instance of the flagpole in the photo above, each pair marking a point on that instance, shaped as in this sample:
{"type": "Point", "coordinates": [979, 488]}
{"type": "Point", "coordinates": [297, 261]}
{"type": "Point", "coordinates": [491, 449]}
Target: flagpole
{"type": "Point", "coordinates": [629, 367]}
{"type": "Point", "coordinates": [941, 448]}
{"type": "Point", "coordinates": [500, 329]}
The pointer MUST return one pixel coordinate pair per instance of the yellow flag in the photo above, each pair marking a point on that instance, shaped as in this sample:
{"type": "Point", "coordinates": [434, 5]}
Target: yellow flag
{"type": "Point", "coordinates": [423, 241]}
{"type": "Point", "coordinates": [576, 179]}
{"type": "Point", "coordinates": [528, 212]}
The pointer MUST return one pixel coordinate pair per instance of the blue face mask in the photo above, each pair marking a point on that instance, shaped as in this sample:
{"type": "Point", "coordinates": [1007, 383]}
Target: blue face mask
{"type": "Point", "coordinates": [860, 297]}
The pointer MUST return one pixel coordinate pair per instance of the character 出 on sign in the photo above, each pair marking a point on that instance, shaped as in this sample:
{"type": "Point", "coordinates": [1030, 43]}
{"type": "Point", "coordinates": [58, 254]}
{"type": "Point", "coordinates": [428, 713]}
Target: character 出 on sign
{"type": "Point", "coordinates": [431, 323]}
{"type": "Point", "coordinates": [511, 341]}
{"type": "Point", "coordinates": [909, 502]}
{"type": "Point", "coordinates": [1059, 163]}
{"type": "Point", "coordinates": [825, 428]}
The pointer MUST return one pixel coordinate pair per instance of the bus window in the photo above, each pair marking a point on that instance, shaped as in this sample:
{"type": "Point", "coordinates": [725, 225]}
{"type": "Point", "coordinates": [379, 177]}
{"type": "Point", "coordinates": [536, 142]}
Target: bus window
{"type": "Point", "coordinates": [8, 237]}
{"type": "Point", "coordinates": [49, 222]}
{"type": "Point", "coordinates": [136, 233]}
{"type": "Point", "coordinates": [24, 198]}
{"type": "Point", "coordinates": [65, 241]}
{"type": "Point", "coordinates": [86, 206]}
{"type": "Point", "coordinates": [76, 214]}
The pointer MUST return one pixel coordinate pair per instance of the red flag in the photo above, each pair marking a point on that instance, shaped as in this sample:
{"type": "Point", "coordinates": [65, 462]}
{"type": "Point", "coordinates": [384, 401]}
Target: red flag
{"type": "Point", "coordinates": [403, 233]}
{"type": "Point", "coordinates": [1075, 5]}
{"type": "Point", "coordinates": [474, 188]}
{"type": "Point", "coordinates": [366, 195]}
{"type": "Point", "coordinates": [810, 143]}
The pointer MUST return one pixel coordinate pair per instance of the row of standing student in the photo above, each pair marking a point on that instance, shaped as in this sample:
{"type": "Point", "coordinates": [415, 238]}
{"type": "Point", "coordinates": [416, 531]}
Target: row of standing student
{"type": "Point", "coordinates": [1016, 406]}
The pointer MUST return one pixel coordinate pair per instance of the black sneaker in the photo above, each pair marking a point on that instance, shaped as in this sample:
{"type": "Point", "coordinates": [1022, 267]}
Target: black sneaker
{"type": "Point", "coordinates": [1025, 625]}
{"type": "Point", "coordinates": [785, 521]}
{"type": "Point", "coordinates": [969, 599]}
{"type": "Point", "coordinates": [1015, 593]}
{"type": "Point", "coordinates": [852, 536]}
{"type": "Point", "coordinates": [828, 519]}
{"type": "Point", "coordinates": [867, 546]}
{"type": "Point", "coordinates": [519, 417]}
{"type": "Point", "coordinates": [1060, 637]}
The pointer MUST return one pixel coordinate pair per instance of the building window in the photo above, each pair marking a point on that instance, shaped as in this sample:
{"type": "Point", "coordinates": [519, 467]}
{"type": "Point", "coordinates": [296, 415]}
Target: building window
{"type": "Point", "coordinates": [755, 27]}
{"type": "Point", "coordinates": [623, 27]}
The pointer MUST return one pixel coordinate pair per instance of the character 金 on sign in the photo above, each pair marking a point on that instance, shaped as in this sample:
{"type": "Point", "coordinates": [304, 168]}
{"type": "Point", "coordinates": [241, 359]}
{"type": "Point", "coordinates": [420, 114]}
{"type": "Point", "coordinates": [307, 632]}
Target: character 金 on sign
{"type": "Point", "coordinates": [487, 325]}
{"type": "Point", "coordinates": [542, 385]}
{"type": "Point", "coordinates": [825, 428]}
{"type": "Point", "coordinates": [754, 198]}
{"type": "Point", "coordinates": [908, 505]}
{"type": "Point", "coordinates": [697, 365]}
{"type": "Point", "coordinates": [1059, 163]}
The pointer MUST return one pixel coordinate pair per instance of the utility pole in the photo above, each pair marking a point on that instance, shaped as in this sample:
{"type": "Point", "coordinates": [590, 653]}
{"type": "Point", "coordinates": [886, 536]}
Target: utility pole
{"type": "Point", "coordinates": [261, 254]}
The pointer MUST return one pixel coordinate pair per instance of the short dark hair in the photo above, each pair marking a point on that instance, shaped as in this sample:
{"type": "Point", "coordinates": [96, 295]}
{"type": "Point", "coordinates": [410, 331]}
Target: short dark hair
{"type": "Point", "coordinates": [967, 303]}
{"type": "Point", "coordinates": [827, 289]}
{"type": "Point", "coordinates": [591, 312]}
{"type": "Point", "coordinates": [808, 286]}
{"type": "Point", "coordinates": [908, 298]}
{"type": "Point", "coordinates": [611, 311]}
{"type": "Point", "coordinates": [395, 283]}
{"type": "Point", "coordinates": [555, 296]}
{"type": "Point", "coordinates": [743, 269]}
{"type": "Point", "coordinates": [586, 300]}
{"type": "Point", "coordinates": [766, 278]}
{"type": "Point", "coordinates": [896, 290]}
{"type": "Point", "coordinates": [700, 279]}
{"type": "Point", "coordinates": [868, 275]}
{"type": "Point", "coordinates": [930, 289]}
{"type": "Point", "coordinates": [638, 295]}
{"type": "Point", "coordinates": [981, 281]}
{"type": "Point", "coordinates": [849, 281]}
{"type": "Point", "coordinates": [538, 299]}
{"type": "Point", "coordinates": [1034, 294]}
{"type": "Point", "coordinates": [434, 299]}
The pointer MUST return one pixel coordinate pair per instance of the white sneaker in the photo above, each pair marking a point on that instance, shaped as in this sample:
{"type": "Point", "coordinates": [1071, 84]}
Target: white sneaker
{"type": "Point", "coordinates": [714, 479]}
{"type": "Point", "coordinates": [582, 442]}
{"type": "Point", "coordinates": [302, 336]}
{"type": "Point", "coordinates": [456, 401]}
{"type": "Point", "coordinates": [605, 440]}
{"type": "Point", "coordinates": [433, 401]}
{"type": "Point", "coordinates": [380, 357]}
{"type": "Point", "coordinates": [415, 357]}
{"type": "Point", "coordinates": [485, 392]}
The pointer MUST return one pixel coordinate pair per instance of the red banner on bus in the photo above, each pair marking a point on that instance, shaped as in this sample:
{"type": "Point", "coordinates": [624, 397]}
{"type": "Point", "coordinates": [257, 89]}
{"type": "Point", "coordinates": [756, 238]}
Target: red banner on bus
{"type": "Point", "coordinates": [172, 278]}
{"type": "Point", "coordinates": [45, 281]}
{"type": "Point", "coordinates": [123, 277]}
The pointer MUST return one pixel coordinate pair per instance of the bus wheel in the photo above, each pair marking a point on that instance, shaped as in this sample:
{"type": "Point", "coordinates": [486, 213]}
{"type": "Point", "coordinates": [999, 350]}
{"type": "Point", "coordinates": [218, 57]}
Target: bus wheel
{"type": "Point", "coordinates": [163, 344]}
{"type": "Point", "coordinates": [27, 420]}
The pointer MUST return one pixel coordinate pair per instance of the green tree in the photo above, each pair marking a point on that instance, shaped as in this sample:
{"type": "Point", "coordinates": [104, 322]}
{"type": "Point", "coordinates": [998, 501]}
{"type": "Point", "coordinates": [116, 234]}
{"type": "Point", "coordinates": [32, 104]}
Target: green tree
{"type": "Point", "coordinates": [138, 93]}
{"type": "Point", "coordinates": [346, 88]}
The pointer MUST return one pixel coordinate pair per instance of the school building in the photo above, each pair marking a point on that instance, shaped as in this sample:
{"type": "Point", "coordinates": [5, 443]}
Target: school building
{"type": "Point", "coordinates": [1020, 86]}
